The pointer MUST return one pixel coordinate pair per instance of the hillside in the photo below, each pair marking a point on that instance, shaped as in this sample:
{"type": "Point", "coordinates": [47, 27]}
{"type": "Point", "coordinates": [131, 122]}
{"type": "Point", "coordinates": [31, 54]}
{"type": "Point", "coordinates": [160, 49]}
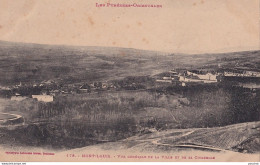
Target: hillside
{"type": "Point", "coordinates": [237, 137]}
{"type": "Point", "coordinates": [29, 63]}
{"type": "Point", "coordinates": [109, 94]}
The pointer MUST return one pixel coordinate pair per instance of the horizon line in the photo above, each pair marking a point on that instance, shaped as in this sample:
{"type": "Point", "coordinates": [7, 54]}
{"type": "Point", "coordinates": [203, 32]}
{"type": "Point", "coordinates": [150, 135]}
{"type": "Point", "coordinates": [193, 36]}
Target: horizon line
{"type": "Point", "coordinates": [155, 51]}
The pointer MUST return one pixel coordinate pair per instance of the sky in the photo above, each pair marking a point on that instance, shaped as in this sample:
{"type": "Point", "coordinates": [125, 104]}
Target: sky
{"type": "Point", "coordinates": [180, 26]}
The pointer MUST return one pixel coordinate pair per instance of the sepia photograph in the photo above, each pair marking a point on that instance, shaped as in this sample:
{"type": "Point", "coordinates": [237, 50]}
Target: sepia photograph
{"type": "Point", "coordinates": [129, 80]}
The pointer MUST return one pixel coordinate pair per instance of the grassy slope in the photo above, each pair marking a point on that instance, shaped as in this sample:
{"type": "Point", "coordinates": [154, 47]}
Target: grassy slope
{"type": "Point", "coordinates": [36, 63]}
{"type": "Point", "coordinates": [237, 137]}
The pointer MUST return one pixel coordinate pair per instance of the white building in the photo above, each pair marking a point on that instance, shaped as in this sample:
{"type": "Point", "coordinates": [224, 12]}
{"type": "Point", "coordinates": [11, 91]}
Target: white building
{"type": "Point", "coordinates": [44, 98]}
{"type": "Point", "coordinates": [18, 98]}
{"type": "Point", "coordinates": [207, 77]}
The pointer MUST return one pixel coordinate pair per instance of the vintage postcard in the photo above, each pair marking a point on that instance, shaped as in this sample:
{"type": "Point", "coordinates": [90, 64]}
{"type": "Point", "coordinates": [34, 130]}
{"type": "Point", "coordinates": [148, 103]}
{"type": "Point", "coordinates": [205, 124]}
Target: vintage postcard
{"type": "Point", "coordinates": [129, 80]}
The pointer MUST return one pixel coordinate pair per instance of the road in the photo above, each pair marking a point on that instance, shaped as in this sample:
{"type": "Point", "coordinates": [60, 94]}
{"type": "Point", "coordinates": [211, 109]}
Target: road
{"type": "Point", "coordinates": [8, 117]}
{"type": "Point", "coordinates": [217, 139]}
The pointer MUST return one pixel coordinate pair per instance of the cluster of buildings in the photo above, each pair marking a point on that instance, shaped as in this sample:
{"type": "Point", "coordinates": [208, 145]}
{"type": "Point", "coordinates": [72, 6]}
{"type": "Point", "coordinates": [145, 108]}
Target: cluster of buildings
{"type": "Point", "coordinates": [242, 74]}
{"type": "Point", "coordinates": [47, 90]}
{"type": "Point", "coordinates": [185, 77]}
{"type": "Point", "coordinates": [195, 76]}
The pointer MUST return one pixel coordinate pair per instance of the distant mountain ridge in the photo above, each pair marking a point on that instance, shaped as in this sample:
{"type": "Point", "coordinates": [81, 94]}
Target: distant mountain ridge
{"type": "Point", "coordinates": [79, 48]}
{"type": "Point", "coordinates": [112, 49]}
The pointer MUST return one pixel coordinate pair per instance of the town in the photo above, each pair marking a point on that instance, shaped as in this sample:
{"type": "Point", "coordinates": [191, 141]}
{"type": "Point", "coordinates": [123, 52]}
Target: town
{"type": "Point", "coordinates": [46, 91]}
{"type": "Point", "coordinates": [69, 97]}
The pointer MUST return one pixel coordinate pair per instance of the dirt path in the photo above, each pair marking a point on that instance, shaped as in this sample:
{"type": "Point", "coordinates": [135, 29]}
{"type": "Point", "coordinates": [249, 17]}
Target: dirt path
{"type": "Point", "coordinates": [156, 141]}
{"type": "Point", "coordinates": [217, 139]}
{"type": "Point", "coordinates": [8, 117]}
{"type": "Point", "coordinates": [210, 139]}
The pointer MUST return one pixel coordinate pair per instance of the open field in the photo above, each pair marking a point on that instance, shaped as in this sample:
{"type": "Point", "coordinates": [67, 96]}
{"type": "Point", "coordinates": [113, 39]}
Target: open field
{"type": "Point", "coordinates": [85, 119]}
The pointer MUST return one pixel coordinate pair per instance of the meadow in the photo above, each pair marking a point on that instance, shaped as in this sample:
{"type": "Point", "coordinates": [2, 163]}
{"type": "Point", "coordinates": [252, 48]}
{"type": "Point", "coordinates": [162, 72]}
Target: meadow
{"type": "Point", "coordinates": [90, 118]}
